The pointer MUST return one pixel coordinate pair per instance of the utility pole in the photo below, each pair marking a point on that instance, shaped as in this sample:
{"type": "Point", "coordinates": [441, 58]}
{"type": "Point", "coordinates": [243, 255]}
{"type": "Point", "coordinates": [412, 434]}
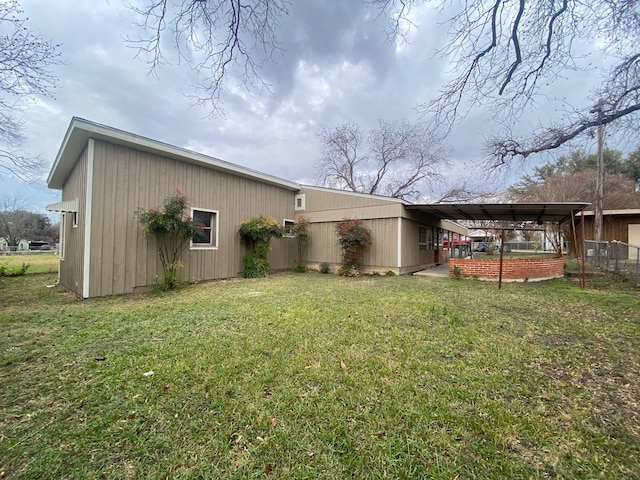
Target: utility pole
{"type": "Point", "coordinates": [599, 175]}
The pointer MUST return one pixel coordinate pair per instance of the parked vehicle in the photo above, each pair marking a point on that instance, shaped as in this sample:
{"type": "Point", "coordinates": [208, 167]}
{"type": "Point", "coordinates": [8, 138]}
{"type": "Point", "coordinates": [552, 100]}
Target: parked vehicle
{"type": "Point", "coordinates": [39, 246]}
{"type": "Point", "coordinates": [484, 247]}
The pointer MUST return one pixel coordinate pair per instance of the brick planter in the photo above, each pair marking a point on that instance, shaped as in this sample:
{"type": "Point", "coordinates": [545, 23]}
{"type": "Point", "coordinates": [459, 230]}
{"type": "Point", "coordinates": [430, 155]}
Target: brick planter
{"type": "Point", "coordinates": [513, 269]}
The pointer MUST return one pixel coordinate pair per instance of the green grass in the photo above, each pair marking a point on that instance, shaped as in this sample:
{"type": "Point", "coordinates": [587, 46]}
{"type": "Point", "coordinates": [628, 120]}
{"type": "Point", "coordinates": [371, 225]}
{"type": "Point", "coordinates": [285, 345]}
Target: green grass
{"type": "Point", "coordinates": [38, 262]}
{"type": "Point", "coordinates": [314, 376]}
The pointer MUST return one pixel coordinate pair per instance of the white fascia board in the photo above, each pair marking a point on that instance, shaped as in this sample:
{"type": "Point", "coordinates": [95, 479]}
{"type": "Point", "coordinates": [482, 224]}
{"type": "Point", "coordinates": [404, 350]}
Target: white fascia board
{"type": "Point", "coordinates": [353, 194]}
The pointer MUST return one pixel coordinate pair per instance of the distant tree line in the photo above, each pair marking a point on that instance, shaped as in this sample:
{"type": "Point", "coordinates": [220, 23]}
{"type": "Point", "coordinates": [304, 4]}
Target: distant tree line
{"type": "Point", "coordinates": [573, 178]}
{"type": "Point", "coordinates": [17, 223]}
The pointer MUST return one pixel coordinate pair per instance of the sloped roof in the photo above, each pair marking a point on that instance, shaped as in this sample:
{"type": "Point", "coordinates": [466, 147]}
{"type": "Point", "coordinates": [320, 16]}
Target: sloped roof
{"type": "Point", "coordinates": [81, 130]}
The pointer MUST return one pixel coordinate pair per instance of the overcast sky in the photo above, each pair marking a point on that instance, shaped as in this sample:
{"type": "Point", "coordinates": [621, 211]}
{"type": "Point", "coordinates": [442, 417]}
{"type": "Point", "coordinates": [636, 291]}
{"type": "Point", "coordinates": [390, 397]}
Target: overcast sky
{"type": "Point", "coordinates": [336, 67]}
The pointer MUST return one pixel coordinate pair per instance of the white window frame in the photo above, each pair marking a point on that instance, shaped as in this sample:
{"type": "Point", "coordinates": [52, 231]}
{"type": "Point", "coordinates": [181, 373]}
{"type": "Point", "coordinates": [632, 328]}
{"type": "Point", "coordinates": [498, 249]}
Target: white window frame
{"type": "Point", "coordinates": [214, 244]}
{"type": "Point", "coordinates": [288, 233]}
{"type": "Point", "coordinates": [62, 244]}
{"type": "Point", "coordinates": [302, 200]}
{"type": "Point", "coordinates": [429, 236]}
{"type": "Point", "coordinates": [426, 235]}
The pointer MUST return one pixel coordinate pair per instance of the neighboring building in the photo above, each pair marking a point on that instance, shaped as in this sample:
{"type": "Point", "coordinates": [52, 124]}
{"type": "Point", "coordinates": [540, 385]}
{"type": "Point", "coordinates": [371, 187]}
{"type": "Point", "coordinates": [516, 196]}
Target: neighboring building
{"type": "Point", "coordinates": [106, 174]}
{"type": "Point", "coordinates": [23, 245]}
{"type": "Point", "coordinates": [621, 225]}
{"type": "Point", "coordinates": [4, 245]}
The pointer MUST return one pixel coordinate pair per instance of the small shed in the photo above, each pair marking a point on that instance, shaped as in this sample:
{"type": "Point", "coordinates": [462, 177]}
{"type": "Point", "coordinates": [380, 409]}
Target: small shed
{"type": "Point", "coordinates": [23, 245]}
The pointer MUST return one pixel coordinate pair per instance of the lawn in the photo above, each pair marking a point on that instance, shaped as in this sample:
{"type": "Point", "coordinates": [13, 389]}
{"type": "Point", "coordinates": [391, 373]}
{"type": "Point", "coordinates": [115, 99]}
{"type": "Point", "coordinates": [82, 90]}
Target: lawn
{"type": "Point", "coordinates": [37, 262]}
{"type": "Point", "coordinates": [314, 376]}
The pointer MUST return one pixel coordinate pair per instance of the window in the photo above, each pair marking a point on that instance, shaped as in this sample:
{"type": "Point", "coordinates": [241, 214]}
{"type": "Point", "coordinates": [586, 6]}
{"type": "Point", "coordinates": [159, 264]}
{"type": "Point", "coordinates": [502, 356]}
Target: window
{"type": "Point", "coordinates": [300, 201]}
{"type": "Point", "coordinates": [75, 220]}
{"type": "Point", "coordinates": [422, 235]}
{"type": "Point", "coordinates": [425, 236]}
{"type": "Point", "coordinates": [288, 228]}
{"type": "Point", "coordinates": [208, 221]}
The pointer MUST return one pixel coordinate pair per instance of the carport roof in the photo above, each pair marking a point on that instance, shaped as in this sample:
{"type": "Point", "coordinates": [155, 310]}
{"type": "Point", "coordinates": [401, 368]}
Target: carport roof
{"type": "Point", "coordinates": [512, 212]}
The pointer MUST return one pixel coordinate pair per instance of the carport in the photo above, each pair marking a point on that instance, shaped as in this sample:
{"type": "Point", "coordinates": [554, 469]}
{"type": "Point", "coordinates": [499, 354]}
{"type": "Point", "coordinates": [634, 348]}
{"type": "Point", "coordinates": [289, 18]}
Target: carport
{"type": "Point", "coordinates": [509, 214]}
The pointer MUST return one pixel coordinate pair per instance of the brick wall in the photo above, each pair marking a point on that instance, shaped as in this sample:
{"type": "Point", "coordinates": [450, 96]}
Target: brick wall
{"type": "Point", "coordinates": [512, 268]}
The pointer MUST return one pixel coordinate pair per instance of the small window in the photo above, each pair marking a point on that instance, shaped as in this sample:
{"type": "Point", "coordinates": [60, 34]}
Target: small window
{"type": "Point", "coordinates": [425, 236]}
{"type": "Point", "coordinates": [288, 228]}
{"type": "Point", "coordinates": [422, 235]}
{"type": "Point", "coordinates": [300, 201]}
{"type": "Point", "coordinates": [75, 220]}
{"type": "Point", "coordinates": [208, 222]}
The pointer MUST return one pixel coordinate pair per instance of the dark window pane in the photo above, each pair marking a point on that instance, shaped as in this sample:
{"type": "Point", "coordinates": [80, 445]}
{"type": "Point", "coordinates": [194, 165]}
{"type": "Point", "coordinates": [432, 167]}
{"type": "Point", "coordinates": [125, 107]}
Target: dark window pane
{"type": "Point", "coordinates": [202, 218]}
{"type": "Point", "coordinates": [203, 236]}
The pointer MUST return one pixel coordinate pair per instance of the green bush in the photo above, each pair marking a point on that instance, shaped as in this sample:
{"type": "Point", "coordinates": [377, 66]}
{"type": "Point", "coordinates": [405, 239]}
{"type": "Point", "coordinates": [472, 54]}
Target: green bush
{"type": "Point", "coordinates": [299, 266]}
{"type": "Point", "coordinates": [173, 228]}
{"type": "Point", "coordinates": [325, 267]}
{"type": "Point", "coordinates": [457, 272]}
{"type": "Point", "coordinates": [256, 234]}
{"type": "Point", "coordinates": [255, 265]}
{"type": "Point", "coordinates": [5, 271]}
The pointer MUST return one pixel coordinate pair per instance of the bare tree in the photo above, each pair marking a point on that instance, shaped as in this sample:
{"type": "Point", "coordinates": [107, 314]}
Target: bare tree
{"type": "Point", "coordinates": [464, 189]}
{"type": "Point", "coordinates": [503, 51]}
{"type": "Point", "coordinates": [26, 60]}
{"type": "Point", "coordinates": [17, 223]}
{"type": "Point", "coordinates": [216, 38]}
{"type": "Point", "coordinates": [396, 159]}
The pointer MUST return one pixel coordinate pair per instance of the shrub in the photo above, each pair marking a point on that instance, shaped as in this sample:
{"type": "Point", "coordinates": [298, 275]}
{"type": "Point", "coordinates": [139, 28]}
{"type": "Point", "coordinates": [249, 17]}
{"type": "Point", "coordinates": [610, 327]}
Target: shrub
{"type": "Point", "coordinates": [457, 272]}
{"type": "Point", "coordinates": [5, 271]}
{"type": "Point", "coordinates": [301, 231]}
{"type": "Point", "coordinates": [173, 229]}
{"type": "Point", "coordinates": [299, 266]}
{"type": "Point", "coordinates": [256, 234]}
{"type": "Point", "coordinates": [354, 239]}
{"type": "Point", "coordinates": [390, 273]}
{"type": "Point", "coordinates": [325, 267]}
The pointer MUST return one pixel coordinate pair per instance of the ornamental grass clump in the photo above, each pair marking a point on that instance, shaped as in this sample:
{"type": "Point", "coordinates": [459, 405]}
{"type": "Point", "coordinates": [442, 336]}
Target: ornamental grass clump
{"type": "Point", "coordinates": [354, 239]}
{"type": "Point", "coordinates": [173, 228]}
{"type": "Point", "coordinates": [256, 233]}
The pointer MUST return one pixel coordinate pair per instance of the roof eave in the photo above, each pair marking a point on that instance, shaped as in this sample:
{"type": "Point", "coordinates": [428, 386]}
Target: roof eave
{"type": "Point", "coordinates": [80, 131]}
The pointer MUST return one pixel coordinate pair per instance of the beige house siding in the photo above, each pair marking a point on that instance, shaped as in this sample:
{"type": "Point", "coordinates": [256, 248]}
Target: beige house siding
{"type": "Point", "coordinates": [329, 205]}
{"type": "Point", "coordinates": [410, 251]}
{"type": "Point", "coordinates": [125, 179]}
{"type": "Point", "coordinates": [72, 264]}
{"type": "Point", "coordinates": [380, 257]}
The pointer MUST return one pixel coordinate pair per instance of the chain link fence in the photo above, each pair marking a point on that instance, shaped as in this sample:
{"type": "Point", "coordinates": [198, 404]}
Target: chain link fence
{"type": "Point", "coordinates": [618, 257]}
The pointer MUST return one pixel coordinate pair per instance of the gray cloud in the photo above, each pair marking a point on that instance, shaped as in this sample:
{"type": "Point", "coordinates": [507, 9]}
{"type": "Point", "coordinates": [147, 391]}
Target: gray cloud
{"type": "Point", "coordinates": [337, 66]}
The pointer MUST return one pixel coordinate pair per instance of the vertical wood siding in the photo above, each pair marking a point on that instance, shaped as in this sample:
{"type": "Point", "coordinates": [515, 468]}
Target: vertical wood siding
{"type": "Point", "coordinates": [126, 179]}
{"type": "Point", "coordinates": [381, 256]}
{"type": "Point", "coordinates": [614, 227]}
{"type": "Point", "coordinates": [71, 267]}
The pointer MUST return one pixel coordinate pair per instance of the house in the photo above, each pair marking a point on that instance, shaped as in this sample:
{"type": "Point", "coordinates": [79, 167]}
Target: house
{"type": "Point", "coordinates": [106, 174]}
{"type": "Point", "coordinates": [23, 245]}
{"type": "Point", "coordinates": [4, 245]}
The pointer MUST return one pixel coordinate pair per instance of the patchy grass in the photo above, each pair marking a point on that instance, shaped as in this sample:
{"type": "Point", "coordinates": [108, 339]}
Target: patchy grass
{"type": "Point", "coordinates": [314, 376]}
{"type": "Point", "coordinates": [38, 262]}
